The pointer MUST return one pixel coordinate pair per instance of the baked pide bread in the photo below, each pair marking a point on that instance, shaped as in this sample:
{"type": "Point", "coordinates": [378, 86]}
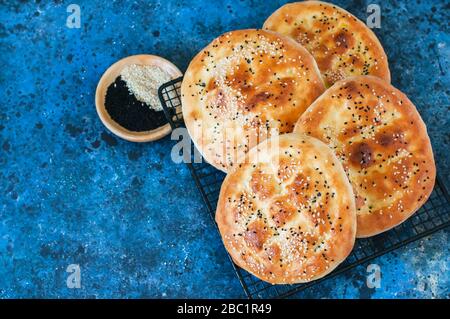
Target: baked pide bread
{"type": "Point", "coordinates": [243, 87]}
{"type": "Point", "coordinates": [286, 213]}
{"type": "Point", "coordinates": [382, 142]}
{"type": "Point", "coordinates": [341, 44]}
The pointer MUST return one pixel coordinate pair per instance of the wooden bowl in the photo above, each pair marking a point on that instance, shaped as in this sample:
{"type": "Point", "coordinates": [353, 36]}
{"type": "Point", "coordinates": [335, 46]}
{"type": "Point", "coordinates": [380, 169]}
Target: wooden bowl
{"type": "Point", "coordinates": [110, 76]}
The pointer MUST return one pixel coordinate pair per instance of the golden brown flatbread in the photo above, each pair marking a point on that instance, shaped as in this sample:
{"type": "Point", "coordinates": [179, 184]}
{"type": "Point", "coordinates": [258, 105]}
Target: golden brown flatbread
{"type": "Point", "coordinates": [382, 142]}
{"type": "Point", "coordinates": [243, 85]}
{"type": "Point", "coordinates": [341, 44]}
{"type": "Point", "coordinates": [287, 212]}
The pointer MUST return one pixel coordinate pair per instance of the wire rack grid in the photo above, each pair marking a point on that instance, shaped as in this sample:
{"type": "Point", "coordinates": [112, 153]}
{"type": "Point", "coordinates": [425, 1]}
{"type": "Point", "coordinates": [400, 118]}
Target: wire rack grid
{"type": "Point", "coordinates": [433, 216]}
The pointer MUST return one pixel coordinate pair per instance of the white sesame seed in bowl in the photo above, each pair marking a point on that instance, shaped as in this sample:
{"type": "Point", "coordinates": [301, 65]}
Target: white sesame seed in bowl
{"type": "Point", "coordinates": [144, 74]}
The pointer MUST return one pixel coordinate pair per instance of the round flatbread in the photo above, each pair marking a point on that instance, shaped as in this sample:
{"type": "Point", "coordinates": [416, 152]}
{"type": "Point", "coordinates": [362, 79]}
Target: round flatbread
{"type": "Point", "coordinates": [243, 87]}
{"type": "Point", "coordinates": [287, 213]}
{"type": "Point", "coordinates": [341, 44]}
{"type": "Point", "coordinates": [382, 142]}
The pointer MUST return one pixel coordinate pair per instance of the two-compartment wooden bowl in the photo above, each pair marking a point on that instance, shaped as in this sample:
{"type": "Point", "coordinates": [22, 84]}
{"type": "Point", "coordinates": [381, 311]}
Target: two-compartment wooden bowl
{"type": "Point", "coordinates": [110, 76]}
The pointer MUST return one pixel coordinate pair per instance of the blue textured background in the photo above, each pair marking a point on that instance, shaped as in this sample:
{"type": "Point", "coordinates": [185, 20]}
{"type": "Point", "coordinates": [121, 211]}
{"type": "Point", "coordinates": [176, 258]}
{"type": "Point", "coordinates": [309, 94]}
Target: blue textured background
{"type": "Point", "coordinates": [70, 192]}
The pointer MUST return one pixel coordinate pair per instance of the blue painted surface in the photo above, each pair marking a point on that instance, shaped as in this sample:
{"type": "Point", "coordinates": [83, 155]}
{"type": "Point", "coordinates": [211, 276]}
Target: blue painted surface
{"type": "Point", "coordinates": [70, 192]}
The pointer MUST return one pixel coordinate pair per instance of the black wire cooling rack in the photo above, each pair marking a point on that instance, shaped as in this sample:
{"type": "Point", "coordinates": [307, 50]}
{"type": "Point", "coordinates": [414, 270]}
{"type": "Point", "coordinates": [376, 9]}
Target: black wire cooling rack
{"type": "Point", "coordinates": [433, 216]}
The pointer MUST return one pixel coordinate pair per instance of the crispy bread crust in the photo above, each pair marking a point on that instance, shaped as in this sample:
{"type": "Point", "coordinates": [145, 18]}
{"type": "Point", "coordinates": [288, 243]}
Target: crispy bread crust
{"type": "Point", "coordinates": [382, 142]}
{"type": "Point", "coordinates": [287, 214]}
{"type": "Point", "coordinates": [243, 84]}
{"type": "Point", "coordinates": [342, 45]}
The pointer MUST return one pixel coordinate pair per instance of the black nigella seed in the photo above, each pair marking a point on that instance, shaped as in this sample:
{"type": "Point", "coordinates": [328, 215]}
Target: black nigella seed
{"type": "Point", "coordinates": [127, 111]}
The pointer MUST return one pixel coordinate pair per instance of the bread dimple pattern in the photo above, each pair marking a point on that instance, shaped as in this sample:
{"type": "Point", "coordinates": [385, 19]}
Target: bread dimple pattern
{"type": "Point", "coordinates": [242, 88]}
{"type": "Point", "coordinates": [288, 216]}
{"type": "Point", "coordinates": [341, 44]}
{"type": "Point", "coordinates": [382, 142]}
